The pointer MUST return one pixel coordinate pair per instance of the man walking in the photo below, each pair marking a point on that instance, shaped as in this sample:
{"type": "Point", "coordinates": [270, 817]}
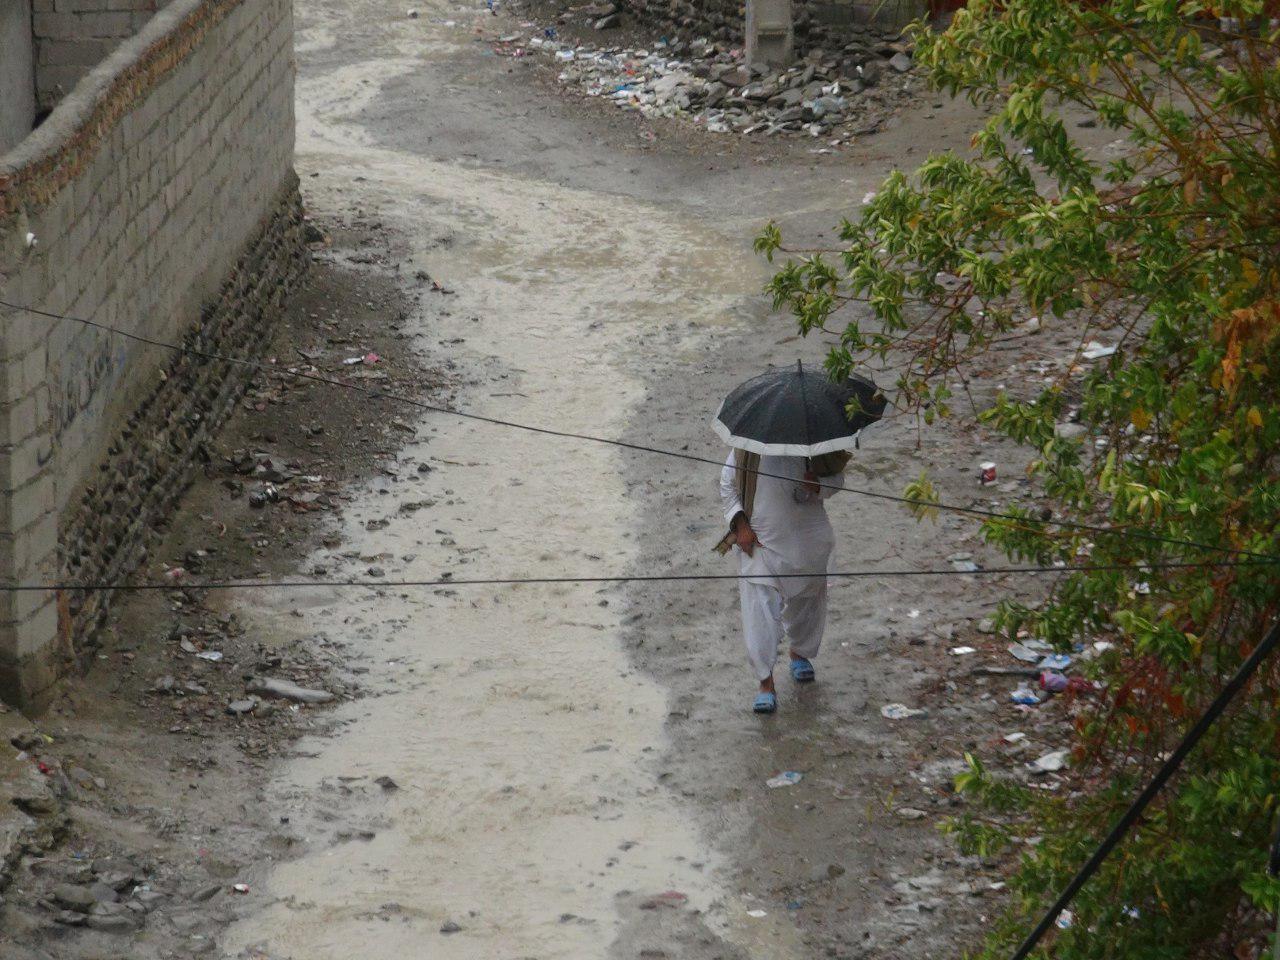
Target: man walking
{"type": "Point", "coordinates": [780, 530]}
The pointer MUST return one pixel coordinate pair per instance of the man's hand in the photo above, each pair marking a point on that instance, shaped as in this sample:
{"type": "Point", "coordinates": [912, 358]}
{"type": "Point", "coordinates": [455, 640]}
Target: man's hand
{"type": "Point", "coordinates": [811, 484]}
{"type": "Point", "coordinates": [744, 535]}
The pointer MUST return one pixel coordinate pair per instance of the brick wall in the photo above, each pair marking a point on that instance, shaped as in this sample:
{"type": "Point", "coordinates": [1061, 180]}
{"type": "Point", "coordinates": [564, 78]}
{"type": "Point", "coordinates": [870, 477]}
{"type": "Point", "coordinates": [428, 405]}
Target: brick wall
{"type": "Point", "coordinates": [73, 36]}
{"type": "Point", "coordinates": [161, 199]}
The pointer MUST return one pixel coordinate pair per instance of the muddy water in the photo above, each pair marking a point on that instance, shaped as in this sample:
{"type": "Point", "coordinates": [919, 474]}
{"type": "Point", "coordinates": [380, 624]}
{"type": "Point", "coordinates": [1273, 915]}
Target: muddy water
{"type": "Point", "coordinates": [521, 739]}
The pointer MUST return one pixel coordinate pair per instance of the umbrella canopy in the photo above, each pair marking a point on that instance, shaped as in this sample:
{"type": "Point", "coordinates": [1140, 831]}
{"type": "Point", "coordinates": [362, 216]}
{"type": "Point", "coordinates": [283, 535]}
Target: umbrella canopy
{"type": "Point", "coordinates": [794, 412]}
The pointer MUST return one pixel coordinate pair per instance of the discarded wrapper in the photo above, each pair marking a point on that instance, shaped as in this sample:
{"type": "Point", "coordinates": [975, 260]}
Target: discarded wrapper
{"type": "Point", "coordinates": [900, 711]}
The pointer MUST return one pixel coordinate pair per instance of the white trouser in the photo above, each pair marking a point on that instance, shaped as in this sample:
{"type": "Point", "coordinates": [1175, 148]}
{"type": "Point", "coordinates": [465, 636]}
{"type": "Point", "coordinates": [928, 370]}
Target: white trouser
{"type": "Point", "coordinates": [767, 616]}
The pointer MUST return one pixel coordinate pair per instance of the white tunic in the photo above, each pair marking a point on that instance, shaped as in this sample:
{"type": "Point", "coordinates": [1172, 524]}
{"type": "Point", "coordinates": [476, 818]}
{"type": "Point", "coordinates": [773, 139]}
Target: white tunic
{"type": "Point", "coordinates": [789, 521]}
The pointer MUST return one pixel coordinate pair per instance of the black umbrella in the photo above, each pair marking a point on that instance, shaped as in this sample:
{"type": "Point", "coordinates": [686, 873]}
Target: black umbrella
{"type": "Point", "coordinates": [794, 412]}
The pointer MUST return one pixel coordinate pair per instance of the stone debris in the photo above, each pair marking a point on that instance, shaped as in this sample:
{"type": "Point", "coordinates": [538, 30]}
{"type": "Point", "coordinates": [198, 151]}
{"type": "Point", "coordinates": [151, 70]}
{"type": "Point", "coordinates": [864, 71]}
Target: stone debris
{"type": "Point", "coordinates": [836, 94]}
{"type": "Point", "coordinates": [273, 687]}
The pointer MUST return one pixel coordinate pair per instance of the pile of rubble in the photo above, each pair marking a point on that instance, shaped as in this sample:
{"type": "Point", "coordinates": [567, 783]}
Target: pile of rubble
{"type": "Point", "coordinates": [836, 95]}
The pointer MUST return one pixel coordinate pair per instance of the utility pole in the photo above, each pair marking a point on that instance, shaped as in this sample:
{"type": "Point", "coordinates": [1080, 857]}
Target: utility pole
{"type": "Point", "coordinates": [770, 33]}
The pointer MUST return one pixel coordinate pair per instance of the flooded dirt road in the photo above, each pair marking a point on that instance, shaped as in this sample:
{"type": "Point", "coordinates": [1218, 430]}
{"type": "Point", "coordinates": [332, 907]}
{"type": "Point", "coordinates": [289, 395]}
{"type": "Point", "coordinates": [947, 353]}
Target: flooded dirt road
{"type": "Point", "coordinates": [573, 770]}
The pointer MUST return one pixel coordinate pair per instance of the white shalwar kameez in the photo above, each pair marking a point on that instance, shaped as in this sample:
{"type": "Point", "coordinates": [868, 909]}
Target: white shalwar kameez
{"type": "Point", "coordinates": [795, 537]}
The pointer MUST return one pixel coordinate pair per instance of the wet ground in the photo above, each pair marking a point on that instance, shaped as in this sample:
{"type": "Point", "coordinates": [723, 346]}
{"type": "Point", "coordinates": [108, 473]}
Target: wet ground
{"type": "Point", "coordinates": [566, 753]}
{"type": "Point", "coordinates": [571, 770]}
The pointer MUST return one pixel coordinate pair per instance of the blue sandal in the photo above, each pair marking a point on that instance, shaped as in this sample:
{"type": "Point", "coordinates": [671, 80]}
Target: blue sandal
{"type": "Point", "coordinates": [802, 671]}
{"type": "Point", "coordinates": [765, 703]}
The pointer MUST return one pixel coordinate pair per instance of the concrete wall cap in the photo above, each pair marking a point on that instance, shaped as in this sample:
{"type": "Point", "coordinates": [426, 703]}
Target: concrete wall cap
{"type": "Point", "coordinates": [76, 110]}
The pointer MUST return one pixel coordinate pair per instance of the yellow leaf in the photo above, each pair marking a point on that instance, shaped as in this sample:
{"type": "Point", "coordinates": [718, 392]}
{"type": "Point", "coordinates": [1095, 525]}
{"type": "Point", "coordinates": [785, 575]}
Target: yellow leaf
{"type": "Point", "coordinates": [1141, 419]}
{"type": "Point", "coordinates": [1094, 69]}
{"type": "Point", "coordinates": [1191, 191]}
{"type": "Point", "coordinates": [1255, 417]}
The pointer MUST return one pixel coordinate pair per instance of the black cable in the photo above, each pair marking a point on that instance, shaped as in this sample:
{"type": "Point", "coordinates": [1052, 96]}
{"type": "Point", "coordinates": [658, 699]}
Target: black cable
{"type": "Point", "coordinates": [1166, 771]}
{"type": "Point", "coordinates": [641, 448]}
{"type": "Point", "coordinates": [651, 578]}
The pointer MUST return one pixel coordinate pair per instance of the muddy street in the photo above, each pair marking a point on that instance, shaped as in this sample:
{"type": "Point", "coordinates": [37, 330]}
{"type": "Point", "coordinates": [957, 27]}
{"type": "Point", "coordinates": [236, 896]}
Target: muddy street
{"type": "Point", "coordinates": [549, 771]}
{"type": "Point", "coordinates": [564, 754]}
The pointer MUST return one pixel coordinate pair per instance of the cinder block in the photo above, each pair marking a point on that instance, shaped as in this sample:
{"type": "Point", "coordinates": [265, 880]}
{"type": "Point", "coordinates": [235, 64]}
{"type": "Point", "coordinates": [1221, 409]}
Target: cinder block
{"type": "Point", "coordinates": [27, 504]}
{"type": "Point", "coordinates": [38, 631]}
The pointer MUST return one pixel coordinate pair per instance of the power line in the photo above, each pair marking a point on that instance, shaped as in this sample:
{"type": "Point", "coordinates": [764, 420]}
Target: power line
{"type": "Point", "coordinates": [626, 445]}
{"type": "Point", "coordinates": [643, 578]}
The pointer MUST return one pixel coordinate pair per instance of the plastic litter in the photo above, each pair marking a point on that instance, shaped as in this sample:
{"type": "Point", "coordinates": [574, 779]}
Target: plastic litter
{"type": "Point", "coordinates": [1022, 652]}
{"type": "Point", "coordinates": [757, 913]}
{"type": "Point", "coordinates": [965, 566]}
{"type": "Point", "coordinates": [1055, 661]}
{"type": "Point", "coordinates": [988, 474]}
{"type": "Point", "coordinates": [1065, 919]}
{"type": "Point", "coordinates": [961, 651]}
{"type": "Point", "coordinates": [1053, 681]}
{"type": "Point", "coordinates": [1016, 737]}
{"type": "Point", "coordinates": [788, 778]}
{"type": "Point", "coordinates": [240, 887]}
{"type": "Point", "coordinates": [1026, 696]}
{"type": "Point", "coordinates": [900, 711]}
{"type": "Point", "coordinates": [1050, 762]}
{"type": "Point", "coordinates": [1093, 350]}
{"type": "Point", "coordinates": [213, 656]}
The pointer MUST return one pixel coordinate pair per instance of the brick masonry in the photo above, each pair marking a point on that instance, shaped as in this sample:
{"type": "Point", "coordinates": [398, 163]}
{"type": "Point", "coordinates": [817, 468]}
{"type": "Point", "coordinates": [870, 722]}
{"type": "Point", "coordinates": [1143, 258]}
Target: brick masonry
{"type": "Point", "coordinates": [162, 200]}
{"type": "Point", "coordinates": [73, 36]}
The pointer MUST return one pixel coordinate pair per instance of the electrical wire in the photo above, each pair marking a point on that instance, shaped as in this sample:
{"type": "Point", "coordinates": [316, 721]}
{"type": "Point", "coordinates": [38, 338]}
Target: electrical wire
{"type": "Point", "coordinates": [626, 445]}
{"type": "Point", "coordinates": [448, 581]}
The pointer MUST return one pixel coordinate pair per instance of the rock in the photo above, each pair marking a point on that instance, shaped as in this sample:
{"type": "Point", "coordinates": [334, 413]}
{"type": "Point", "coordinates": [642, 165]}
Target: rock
{"type": "Point", "coordinates": [872, 72]}
{"type": "Point", "coordinates": [900, 62]}
{"type": "Point", "coordinates": [386, 783]}
{"type": "Point", "coordinates": [987, 625]}
{"type": "Point", "coordinates": [27, 740]}
{"type": "Point", "coordinates": [665, 87]}
{"type": "Point", "coordinates": [788, 98]}
{"type": "Point", "coordinates": [716, 93]}
{"type": "Point", "coordinates": [609, 22]}
{"type": "Point", "coordinates": [104, 893]}
{"type": "Point", "coordinates": [108, 908]}
{"type": "Point", "coordinates": [288, 691]}
{"type": "Point", "coordinates": [204, 894]}
{"type": "Point", "coordinates": [148, 898]}
{"type": "Point", "coordinates": [238, 707]}
{"type": "Point", "coordinates": [450, 927]}
{"type": "Point", "coordinates": [115, 880]}
{"type": "Point", "coordinates": [120, 923]}
{"type": "Point", "coordinates": [69, 918]}
{"type": "Point", "coordinates": [828, 106]}
{"type": "Point", "coordinates": [738, 77]}
{"type": "Point", "coordinates": [910, 813]}
{"type": "Point", "coordinates": [74, 897]}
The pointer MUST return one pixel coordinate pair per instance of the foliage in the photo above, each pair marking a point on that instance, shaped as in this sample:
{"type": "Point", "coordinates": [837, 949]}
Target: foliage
{"type": "Point", "coordinates": [1171, 248]}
